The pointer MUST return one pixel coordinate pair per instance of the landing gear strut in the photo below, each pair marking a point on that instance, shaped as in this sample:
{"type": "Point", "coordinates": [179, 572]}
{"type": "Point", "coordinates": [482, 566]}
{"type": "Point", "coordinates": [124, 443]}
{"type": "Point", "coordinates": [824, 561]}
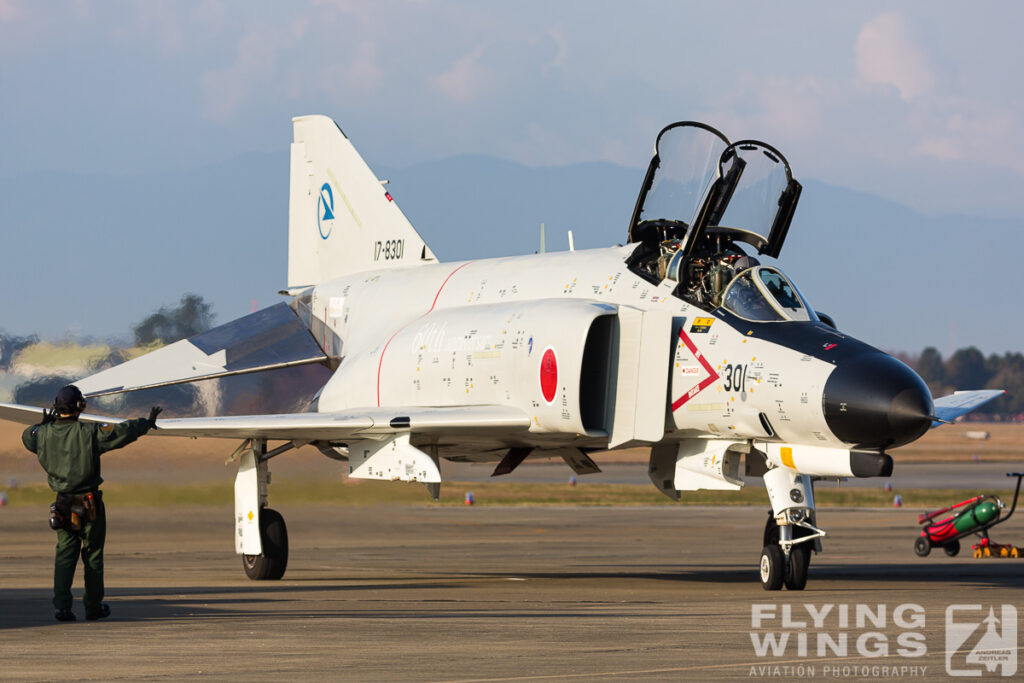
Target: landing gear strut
{"type": "Point", "coordinates": [789, 534]}
{"type": "Point", "coordinates": [261, 537]}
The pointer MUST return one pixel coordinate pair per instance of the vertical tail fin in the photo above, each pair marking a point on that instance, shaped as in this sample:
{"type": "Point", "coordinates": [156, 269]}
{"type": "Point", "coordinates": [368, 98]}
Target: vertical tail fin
{"type": "Point", "coordinates": [341, 219]}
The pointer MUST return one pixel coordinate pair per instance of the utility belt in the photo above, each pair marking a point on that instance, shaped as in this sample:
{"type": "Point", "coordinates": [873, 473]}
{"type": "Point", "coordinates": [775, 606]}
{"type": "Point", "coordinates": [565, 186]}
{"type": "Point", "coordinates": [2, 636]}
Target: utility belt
{"type": "Point", "coordinates": [72, 511]}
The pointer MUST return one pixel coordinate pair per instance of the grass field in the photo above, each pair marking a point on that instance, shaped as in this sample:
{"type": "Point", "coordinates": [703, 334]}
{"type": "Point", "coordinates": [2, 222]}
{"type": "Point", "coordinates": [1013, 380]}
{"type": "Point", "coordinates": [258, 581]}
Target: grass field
{"type": "Point", "coordinates": [159, 471]}
{"type": "Point", "coordinates": [945, 444]}
{"type": "Point", "coordinates": [369, 493]}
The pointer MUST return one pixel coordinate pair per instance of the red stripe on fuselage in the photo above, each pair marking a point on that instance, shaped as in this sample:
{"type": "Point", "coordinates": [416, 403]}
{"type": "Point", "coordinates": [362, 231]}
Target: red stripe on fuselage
{"type": "Point", "coordinates": [380, 362]}
{"type": "Point", "coordinates": [704, 383]}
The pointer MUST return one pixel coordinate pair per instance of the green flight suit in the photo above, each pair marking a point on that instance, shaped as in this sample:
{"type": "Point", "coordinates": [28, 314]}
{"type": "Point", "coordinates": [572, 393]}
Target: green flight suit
{"type": "Point", "coordinates": [70, 451]}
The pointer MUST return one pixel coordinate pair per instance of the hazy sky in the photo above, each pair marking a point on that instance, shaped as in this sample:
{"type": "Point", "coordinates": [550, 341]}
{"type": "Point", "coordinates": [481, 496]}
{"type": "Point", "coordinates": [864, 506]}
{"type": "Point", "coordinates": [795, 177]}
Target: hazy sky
{"type": "Point", "coordinates": [918, 101]}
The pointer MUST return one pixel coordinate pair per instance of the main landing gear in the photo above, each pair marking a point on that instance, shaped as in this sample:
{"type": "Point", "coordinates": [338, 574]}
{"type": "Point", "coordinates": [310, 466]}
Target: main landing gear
{"type": "Point", "coordinates": [271, 563]}
{"type": "Point", "coordinates": [261, 537]}
{"type": "Point", "coordinates": [789, 534]}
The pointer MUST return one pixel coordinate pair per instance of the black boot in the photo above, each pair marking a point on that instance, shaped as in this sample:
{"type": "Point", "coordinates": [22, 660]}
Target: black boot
{"type": "Point", "coordinates": [64, 615]}
{"type": "Point", "coordinates": [102, 614]}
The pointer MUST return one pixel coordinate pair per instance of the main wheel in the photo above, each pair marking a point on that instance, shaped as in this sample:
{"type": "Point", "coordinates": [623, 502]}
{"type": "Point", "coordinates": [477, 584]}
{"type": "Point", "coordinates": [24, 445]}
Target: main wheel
{"type": "Point", "coordinates": [773, 567]}
{"type": "Point", "coordinates": [952, 549]}
{"type": "Point", "coordinates": [922, 547]}
{"type": "Point", "coordinates": [799, 561]}
{"type": "Point", "coordinates": [274, 560]}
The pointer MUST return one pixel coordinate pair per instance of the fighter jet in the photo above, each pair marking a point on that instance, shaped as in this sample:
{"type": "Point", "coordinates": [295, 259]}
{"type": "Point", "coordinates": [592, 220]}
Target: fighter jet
{"type": "Point", "coordinates": [681, 341]}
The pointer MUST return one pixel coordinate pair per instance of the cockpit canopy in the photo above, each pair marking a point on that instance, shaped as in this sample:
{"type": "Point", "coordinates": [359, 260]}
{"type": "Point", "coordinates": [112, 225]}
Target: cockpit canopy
{"type": "Point", "coordinates": [699, 184]}
{"type": "Point", "coordinates": [702, 198]}
{"type": "Point", "coordinates": [684, 167]}
{"type": "Point", "coordinates": [765, 294]}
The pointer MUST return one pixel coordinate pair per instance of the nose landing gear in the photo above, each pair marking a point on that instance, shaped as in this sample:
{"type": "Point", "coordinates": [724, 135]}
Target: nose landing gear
{"type": "Point", "coordinates": [790, 533]}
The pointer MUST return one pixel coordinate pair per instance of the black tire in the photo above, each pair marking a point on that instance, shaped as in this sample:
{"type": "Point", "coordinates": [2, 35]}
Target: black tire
{"type": "Point", "coordinates": [799, 561]}
{"type": "Point", "coordinates": [922, 546]}
{"type": "Point", "coordinates": [773, 568]}
{"type": "Point", "coordinates": [952, 549]}
{"type": "Point", "coordinates": [771, 530]}
{"type": "Point", "coordinates": [274, 560]}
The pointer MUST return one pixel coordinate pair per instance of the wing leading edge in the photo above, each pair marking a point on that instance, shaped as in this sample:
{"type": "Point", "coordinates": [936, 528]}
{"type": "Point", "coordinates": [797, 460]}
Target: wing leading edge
{"type": "Point", "coordinates": [30, 415]}
{"type": "Point", "coordinates": [369, 423]}
{"type": "Point", "coordinates": [948, 408]}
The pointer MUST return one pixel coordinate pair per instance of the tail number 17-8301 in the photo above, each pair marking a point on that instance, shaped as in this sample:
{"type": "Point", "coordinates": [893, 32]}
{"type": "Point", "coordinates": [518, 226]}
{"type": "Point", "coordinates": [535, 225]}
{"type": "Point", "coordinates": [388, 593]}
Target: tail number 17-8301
{"type": "Point", "coordinates": [389, 250]}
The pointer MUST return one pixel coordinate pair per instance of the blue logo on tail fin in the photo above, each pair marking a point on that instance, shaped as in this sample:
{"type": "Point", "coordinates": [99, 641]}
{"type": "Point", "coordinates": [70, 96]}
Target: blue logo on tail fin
{"type": "Point", "coordinates": [325, 211]}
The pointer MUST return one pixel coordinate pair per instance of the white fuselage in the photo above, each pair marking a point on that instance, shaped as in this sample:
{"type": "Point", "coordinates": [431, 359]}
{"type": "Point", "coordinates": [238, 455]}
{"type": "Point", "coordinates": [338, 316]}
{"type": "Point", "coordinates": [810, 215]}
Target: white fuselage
{"type": "Point", "coordinates": [478, 333]}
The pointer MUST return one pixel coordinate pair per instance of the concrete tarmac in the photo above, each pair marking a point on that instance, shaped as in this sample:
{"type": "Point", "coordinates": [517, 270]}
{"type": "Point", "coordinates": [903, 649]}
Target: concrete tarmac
{"type": "Point", "coordinates": [429, 593]}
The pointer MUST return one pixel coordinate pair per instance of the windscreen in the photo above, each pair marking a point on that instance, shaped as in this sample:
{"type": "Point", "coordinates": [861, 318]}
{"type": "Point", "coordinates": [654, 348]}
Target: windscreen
{"type": "Point", "coordinates": [688, 163]}
{"type": "Point", "coordinates": [765, 294]}
{"type": "Point", "coordinates": [745, 299]}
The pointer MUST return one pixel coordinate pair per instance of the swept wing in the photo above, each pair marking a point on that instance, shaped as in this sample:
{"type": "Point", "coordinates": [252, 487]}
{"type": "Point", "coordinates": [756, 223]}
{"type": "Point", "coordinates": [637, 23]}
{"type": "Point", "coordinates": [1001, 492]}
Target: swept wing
{"type": "Point", "coordinates": [269, 339]}
{"type": "Point", "coordinates": [948, 408]}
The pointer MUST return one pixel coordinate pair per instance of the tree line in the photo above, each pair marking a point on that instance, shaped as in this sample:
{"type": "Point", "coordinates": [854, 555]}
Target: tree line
{"type": "Point", "coordinates": [167, 325]}
{"type": "Point", "coordinates": [969, 368]}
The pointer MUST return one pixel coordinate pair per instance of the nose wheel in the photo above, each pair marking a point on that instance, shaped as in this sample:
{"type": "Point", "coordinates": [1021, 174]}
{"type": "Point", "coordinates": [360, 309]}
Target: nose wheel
{"type": "Point", "coordinates": [799, 562]}
{"type": "Point", "coordinates": [773, 567]}
{"type": "Point", "coordinates": [790, 534]}
{"type": "Point", "coordinates": [777, 570]}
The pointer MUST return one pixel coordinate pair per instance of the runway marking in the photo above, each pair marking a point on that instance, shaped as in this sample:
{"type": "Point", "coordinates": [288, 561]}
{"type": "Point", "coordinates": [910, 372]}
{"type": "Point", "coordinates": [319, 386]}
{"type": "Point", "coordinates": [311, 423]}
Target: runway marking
{"type": "Point", "coordinates": [766, 661]}
{"type": "Point", "coordinates": [859, 521]}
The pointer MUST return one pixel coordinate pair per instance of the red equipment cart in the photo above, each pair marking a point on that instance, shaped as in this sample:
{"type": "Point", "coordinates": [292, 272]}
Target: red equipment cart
{"type": "Point", "coordinates": [972, 516]}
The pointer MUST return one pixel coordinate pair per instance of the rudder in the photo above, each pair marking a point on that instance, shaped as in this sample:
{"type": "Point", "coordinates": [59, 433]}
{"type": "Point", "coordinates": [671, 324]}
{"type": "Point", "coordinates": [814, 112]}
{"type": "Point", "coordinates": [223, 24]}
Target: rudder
{"type": "Point", "coordinates": [341, 219]}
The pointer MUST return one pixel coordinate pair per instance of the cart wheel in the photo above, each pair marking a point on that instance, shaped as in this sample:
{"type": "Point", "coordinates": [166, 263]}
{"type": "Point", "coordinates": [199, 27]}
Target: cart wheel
{"type": "Point", "coordinates": [922, 546]}
{"type": "Point", "coordinates": [1003, 552]}
{"type": "Point", "coordinates": [1014, 552]}
{"type": "Point", "coordinates": [977, 552]}
{"type": "Point", "coordinates": [986, 552]}
{"type": "Point", "coordinates": [952, 549]}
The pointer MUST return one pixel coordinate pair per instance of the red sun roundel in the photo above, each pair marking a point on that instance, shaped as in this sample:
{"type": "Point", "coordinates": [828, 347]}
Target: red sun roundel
{"type": "Point", "coordinates": [549, 375]}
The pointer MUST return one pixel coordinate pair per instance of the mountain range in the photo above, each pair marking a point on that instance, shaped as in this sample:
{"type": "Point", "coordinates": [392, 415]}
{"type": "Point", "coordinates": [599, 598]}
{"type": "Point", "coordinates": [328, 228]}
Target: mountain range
{"type": "Point", "coordinates": [92, 255]}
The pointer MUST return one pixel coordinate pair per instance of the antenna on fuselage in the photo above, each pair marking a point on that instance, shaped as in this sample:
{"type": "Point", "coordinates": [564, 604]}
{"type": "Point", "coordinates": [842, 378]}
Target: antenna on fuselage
{"type": "Point", "coordinates": [572, 245]}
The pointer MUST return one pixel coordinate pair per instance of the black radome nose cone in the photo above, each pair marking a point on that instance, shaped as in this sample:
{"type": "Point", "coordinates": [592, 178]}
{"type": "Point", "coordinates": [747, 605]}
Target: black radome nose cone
{"type": "Point", "coordinates": [875, 401]}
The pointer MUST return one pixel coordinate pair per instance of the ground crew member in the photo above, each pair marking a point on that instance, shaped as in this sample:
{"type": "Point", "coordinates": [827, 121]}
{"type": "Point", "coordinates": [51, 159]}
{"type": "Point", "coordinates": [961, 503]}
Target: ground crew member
{"type": "Point", "coordinates": [70, 451]}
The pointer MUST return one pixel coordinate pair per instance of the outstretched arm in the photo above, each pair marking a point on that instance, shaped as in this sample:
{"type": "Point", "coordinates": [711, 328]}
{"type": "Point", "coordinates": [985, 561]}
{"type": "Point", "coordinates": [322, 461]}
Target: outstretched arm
{"type": "Point", "coordinates": [110, 436]}
{"type": "Point", "coordinates": [29, 438]}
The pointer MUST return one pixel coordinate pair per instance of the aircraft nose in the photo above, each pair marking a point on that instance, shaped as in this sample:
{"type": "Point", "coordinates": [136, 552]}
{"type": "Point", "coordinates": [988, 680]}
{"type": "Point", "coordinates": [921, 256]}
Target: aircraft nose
{"type": "Point", "coordinates": [875, 401]}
